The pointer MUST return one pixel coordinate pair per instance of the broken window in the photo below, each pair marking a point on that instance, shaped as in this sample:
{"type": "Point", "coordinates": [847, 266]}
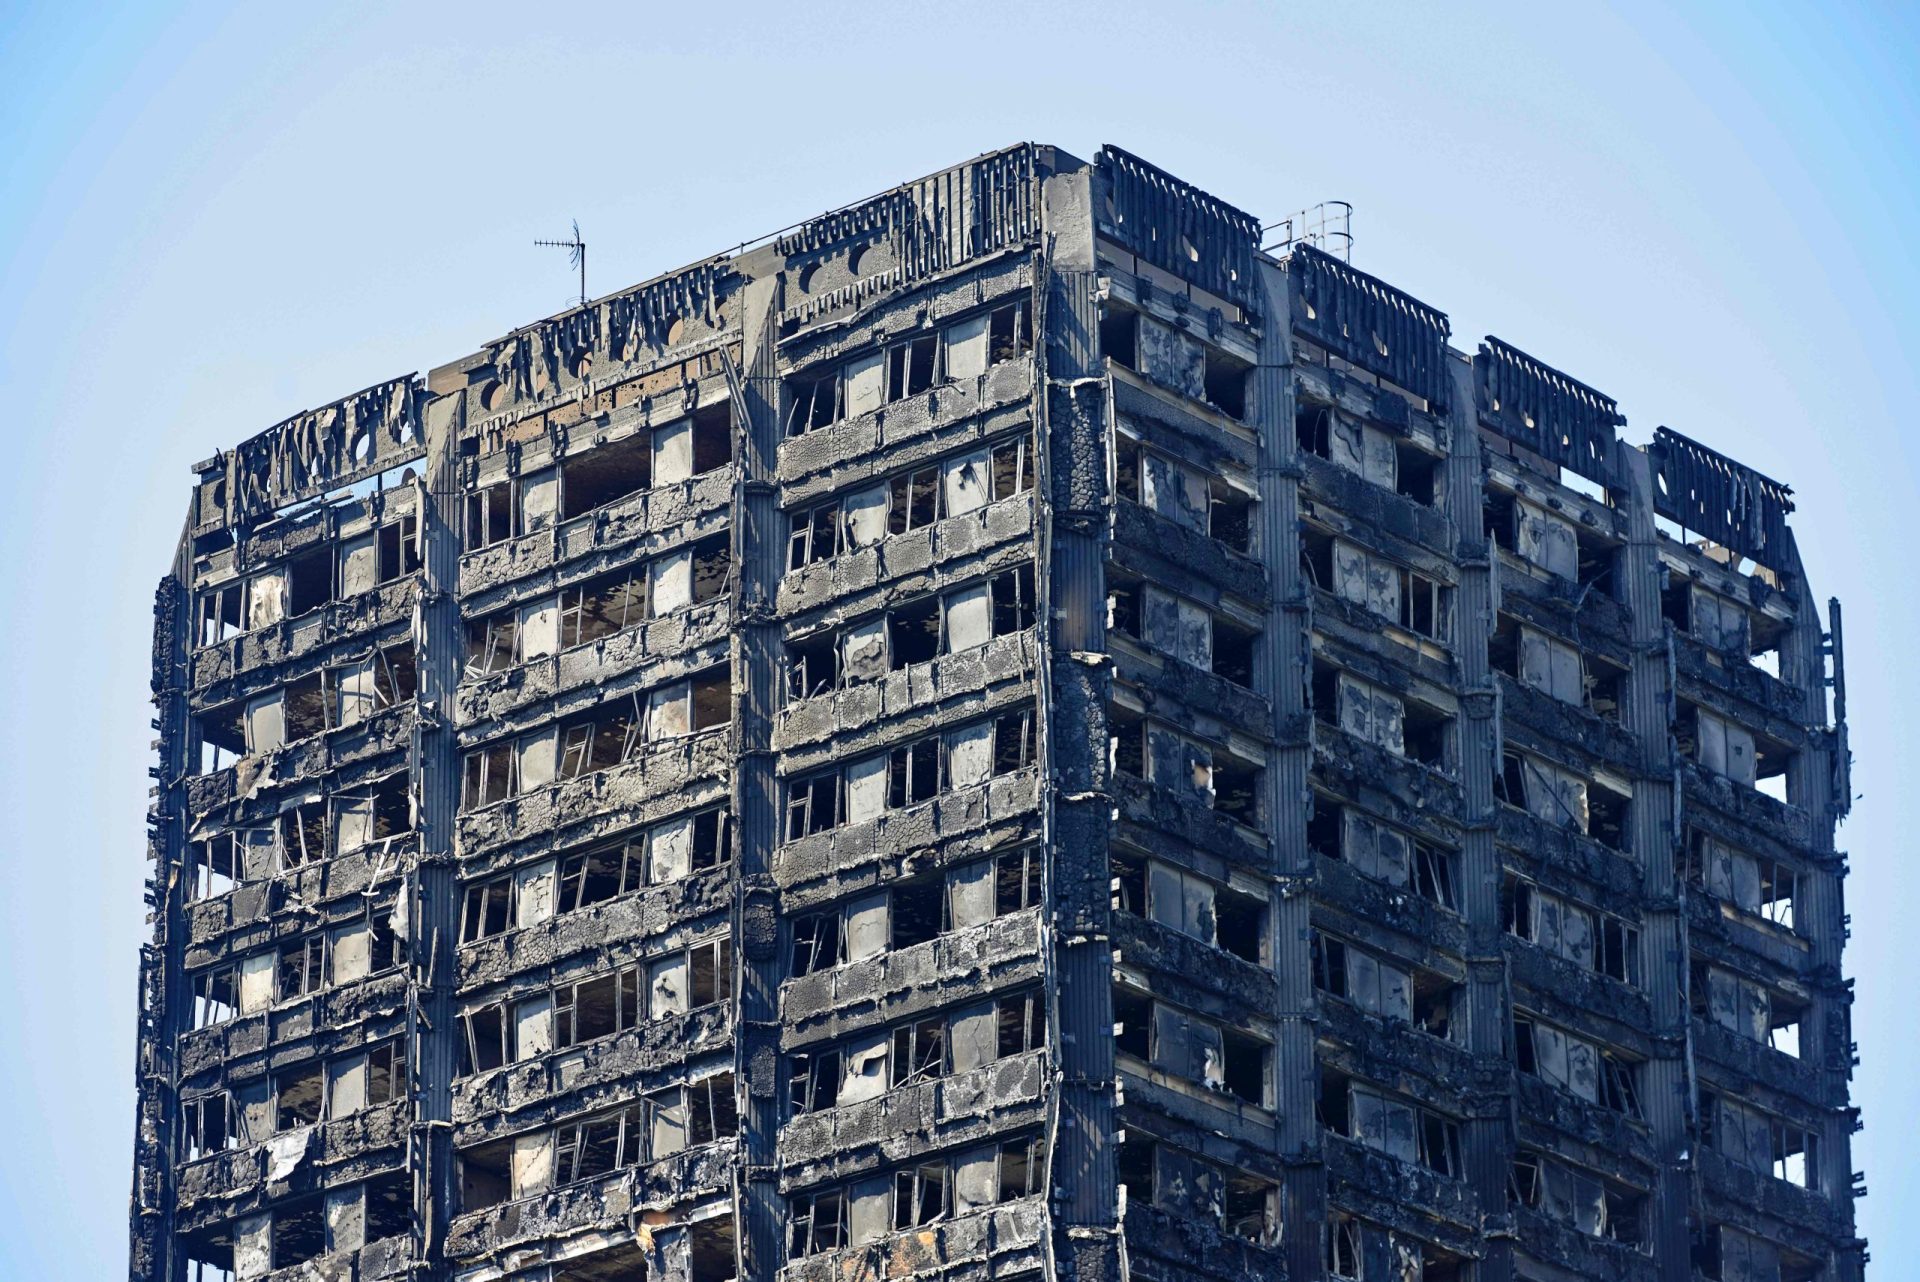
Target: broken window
{"type": "Point", "coordinates": [303, 967]}
{"type": "Point", "coordinates": [1020, 1023]}
{"type": "Point", "coordinates": [222, 736]}
{"type": "Point", "coordinates": [1418, 474]}
{"type": "Point", "coordinates": [813, 1081]}
{"type": "Point", "coordinates": [813, 665]}
{"type": "Point", "coordinates": [399, 548]}
{"type": "Point", "coordinates": [711, 967]}
{"type": "Point", "coordinates": [1246, 1061]}
{"type": "Point", "coordinates": [816, 1222]}
{"type": "Point", "coordinates": [920, 1195]}
{"type": "Point", "coordinates": [1009, 332]}
{"type": "Point", "coordinates": [913, 500]}
{"type": "Point", "coordinates": [913, 773]}
{"type": "Point", "coordinates": [813, 804]}
{"type": "Point", "coordinates": [596, 876]}
{"type": "Point", "coordinates": [815, 535]}
{"type": "Point", "coordinates": [597, 1146]}
{"type": "Point", "coordinates": [1012, 468]}
{"type": "Point", "coordinates": [487, 775]}
{"type": "Point", "coordinates": [219, 611]}
{"type": "Point", "coordinates": [912, 366]}
{"type": "Point", "coordinates": [919, 1052]}
{"type": "Point", "coordinates": [1012, 593]}
{"type": "Point", "coordinates": [1236, 789]}
{"type": "Point", "coordinates": [1344, 1258]}
{"type": "Point", "coordinates": [602, 607]}
{"type": "Point", "coordinates": [206, 1125]}
{"type": "Point", "coordinates": [214, 867]}
{"type": "Point", "coordinates": [298, 1097]}
{"type": "Point", "coordinates": [490, 516]}
{"type": "Point", "coordinates": [1133, 1023]}
{"type": "Point", "coordinates": [595, 477]}
{"type": "Point", "coordinates": [1230, 515]}
{"type": "Point", "coordinates": [1126, 742]}
{"type": "Point", "coordinates": [816, 402]}
{"type": "Point", "coordinates": [1119, 336]}
{"type": "Point", "coordinates": [1013, 742]}
{"type": "Point", "coordinates": [493, 643]}
{"type": "Point", "coordinates": [913, 633]}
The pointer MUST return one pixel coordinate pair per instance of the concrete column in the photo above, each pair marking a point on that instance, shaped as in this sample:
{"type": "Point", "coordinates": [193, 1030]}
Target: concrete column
{"type": "Point", "coordinates": [758, 541]}
{"type": "Point", "coordinates": [1071, 549]}
{"type": "Point", "coordinates": [433, 1053]}
{"type": "Point", "coordinates": [1281, 672]}
{"type": "Point", "coordinates": [1486, 1133]}
{"type": "Point", "coordinates": [1667, 1090]}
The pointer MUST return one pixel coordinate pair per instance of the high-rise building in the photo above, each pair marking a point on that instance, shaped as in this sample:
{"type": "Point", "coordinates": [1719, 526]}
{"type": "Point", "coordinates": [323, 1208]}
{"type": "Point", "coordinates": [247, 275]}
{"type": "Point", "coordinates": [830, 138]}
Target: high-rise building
{"type": "Point", "coordinates": [1006, 731]}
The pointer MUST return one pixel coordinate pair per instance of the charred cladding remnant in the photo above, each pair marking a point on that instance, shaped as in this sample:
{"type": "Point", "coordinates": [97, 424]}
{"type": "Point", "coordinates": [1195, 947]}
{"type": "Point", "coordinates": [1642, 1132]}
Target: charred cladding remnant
{"type": "Point", "coordinates": [1005, 732]}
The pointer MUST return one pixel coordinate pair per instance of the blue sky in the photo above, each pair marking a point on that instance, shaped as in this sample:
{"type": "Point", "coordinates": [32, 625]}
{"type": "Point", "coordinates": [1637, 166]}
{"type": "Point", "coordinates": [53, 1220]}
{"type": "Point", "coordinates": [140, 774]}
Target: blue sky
{"type": "Point", "coordinates": [216, 216]}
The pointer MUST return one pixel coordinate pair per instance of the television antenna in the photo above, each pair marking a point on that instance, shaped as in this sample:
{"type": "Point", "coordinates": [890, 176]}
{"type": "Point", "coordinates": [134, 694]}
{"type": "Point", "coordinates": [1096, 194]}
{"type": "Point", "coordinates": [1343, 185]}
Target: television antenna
{"type": "Point", "coordinates": [577, 257]}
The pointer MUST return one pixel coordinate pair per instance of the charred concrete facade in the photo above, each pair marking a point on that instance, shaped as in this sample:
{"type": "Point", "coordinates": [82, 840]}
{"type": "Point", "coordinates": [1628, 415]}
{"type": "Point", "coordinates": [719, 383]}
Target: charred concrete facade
{"type": "Point", "coordinates": [1003, 731]}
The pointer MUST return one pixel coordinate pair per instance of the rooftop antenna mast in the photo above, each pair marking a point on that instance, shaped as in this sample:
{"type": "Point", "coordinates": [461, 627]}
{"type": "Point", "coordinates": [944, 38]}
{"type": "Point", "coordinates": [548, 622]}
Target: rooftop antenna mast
{"type": "Point", "coordinates": [578, 256]}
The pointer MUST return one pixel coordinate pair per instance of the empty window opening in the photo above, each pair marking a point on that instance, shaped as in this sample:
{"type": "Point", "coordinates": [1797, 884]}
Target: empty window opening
{"type": "Point", "coordinates": [1240, 923]}
{"type": "Point", "coordinates": [490, 516]}
{"type": "Point", "coordinates": [602, 606]}
{"type": "Point", "coordinates": [712, 569]}
{"type": "Point", "coordinates": [1123, 608]}
{"type": "Point", "coordinates": [399, 548]}
{"type": "Point", "coordinates": [813, 804]}
{"type": "Point", "coordinates": [1230, 515]}
{"type": "Point", "coordinates": [486, 910]}
{"type": "Point", "coordinates": [298, 1097]}
{"type": "Point", "coordinates": [1126, 469]}
{"type": "Point", "coordinates": [919, 1195]}
{"type": "Point", "coordinates": [1233, 651]}
{"type": "Point", "coordinates": [1246, 1063]}
{"type": "Point", "coordinates": [712, 439]}
{"type": "Point", "coordinates": [1419, 474]}
{"type": "Point", "coordinates": [712, 697]}
{"type": "Point", "coordinates": [913, 500]}
{"type": "Point", "coordinates": [913, 633]}
{"type": "Point", "coordinates": [605, 474]}
{"type": "Point", "coordinates": [911, 366]}
{"type": "Point", "coordinates": [918, 911]}
{"type": "Point", "coordinates": [1016, 881]}
{"type": "Point", "coordinates": [1012, 597]}
{"type": "Point", "coordinates": [1119, 336]}
{"type": "Point", "coordinates": [1236, 789]}
{"type": "Point", "coordinates": [1126, 741]}
{"type": "Point", "coordinates": [1020, 1023]}
{"type": "Point", "coordinates": [1226, 383]}
{"type": "Point", "coordinates": [1427, 734]}
{"type": "Point", "coordinates": [813, 1081]}
{"type": "Point", "coordinates": [815, 535]}
{"type": "Point", "coordinates": [1133, 1023]}
{"type": "Point", "coordinates": [913, 773]}
{"type": "Point", "coordinates": [813, 665]}
{"type": "Point", "coordinates": [299, 1231]}
{"type": "Point", "coordinates": [919, 1052]}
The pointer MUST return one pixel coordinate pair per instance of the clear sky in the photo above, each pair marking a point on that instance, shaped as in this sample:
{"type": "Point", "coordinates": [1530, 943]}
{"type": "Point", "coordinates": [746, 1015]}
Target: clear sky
{"type": "Point", "coordinates": [215, 216]}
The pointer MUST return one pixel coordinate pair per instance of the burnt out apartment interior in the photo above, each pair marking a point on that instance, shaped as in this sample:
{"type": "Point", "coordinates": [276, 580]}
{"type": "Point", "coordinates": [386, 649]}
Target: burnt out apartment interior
{"type": "Point", "coordinates": [1005, 731]}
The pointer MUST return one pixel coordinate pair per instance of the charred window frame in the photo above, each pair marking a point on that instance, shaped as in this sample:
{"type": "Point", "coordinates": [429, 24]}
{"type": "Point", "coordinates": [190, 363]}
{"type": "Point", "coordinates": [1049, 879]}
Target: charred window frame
{"type": "Point", "coordinates": [914, 500]}
{"type": "Point", "coordinates": [920, 1052]}
{"type": "Point", "coordinates": [914, 367]}
{"type": "Point", "coordinates": [1013, 742]}
{"type": "Point", "coordinates": [399, 548]}
{"type": "Point", "coordinates": [814, 804]}
{"type": "Point", "coordinates": [1021, 1023]}
{"type": "Point", "coordinates": [818, 401]}
{"type": "Point", "coordinates": [915, 772]}
{"type": "Point", "coordinates": [816, 1222]}
{"type": "Point", "coordinates": [815, 535]}
{"type": "Point", "coordinates": [207, 1126]}
{"type": "Point", "coordinates": [603, 606]}
{"type": "Point", "coordinates": [813, 1080]}
{"type": "Point", "coordinates": [302, 968]}
{"type": "Point", "coordinates": [921, 1195]}
{"type": "Point", "coordinates": [491, 515]}
{"type": "Point", "coordinates": [1012, 597]}
{"type": "Point", "coordinates": [488, 775]}
{"type": "Point", "coordinates": [819, 942]}
{"type": "Point", "coordinates": [493, 643]}
{"type": "Point", "coordinates": [596, 876]}
{"type": "Point", "coordinates": [1011, 470]}
{"type": "Point", "coordinates": [597, 1146]}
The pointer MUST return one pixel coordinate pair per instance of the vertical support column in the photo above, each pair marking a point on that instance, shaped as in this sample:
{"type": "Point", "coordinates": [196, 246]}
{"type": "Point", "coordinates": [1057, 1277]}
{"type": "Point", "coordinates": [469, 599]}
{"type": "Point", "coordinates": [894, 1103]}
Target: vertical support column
{"type": "Point", "coordinates": [1281, 669]}
{"type": "Point", "coordinates": [153, 1256]}
{"type": "Point", "coordinates": [433, 1051]}
{"type": "Point", "coordinates": [1486, 1134]}
{"type": "Point", "coordinates": [1811, 785]}
{"type": "Point", "coordinates": [758, 542]}
{"type": "Point", "coordinates": [1072, 539]}
{"type": "Point", "coordinates": [1666, 1095]}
